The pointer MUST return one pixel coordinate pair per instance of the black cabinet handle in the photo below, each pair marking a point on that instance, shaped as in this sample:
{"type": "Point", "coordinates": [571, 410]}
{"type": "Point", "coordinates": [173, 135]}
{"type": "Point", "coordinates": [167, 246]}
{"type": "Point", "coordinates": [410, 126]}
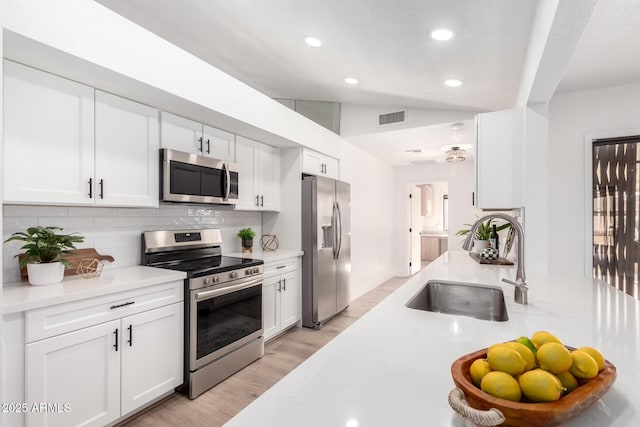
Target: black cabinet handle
{"type": "Point", "coordinates": [208, 147]}
{"type": "Point", "coordinates": [281, 266]}
{"type": "Point", "coordinates": [130, 341]}
{"type": "Point", "coordinates": [102, 188]}
{"type": "Point", "coordinates": [473, 198]}
{"type": "Point", "coordinates": [257, 200]}
{"type": "Point", "coordinates": [91, 188]}
{"type": "Point", "coordinates": [284, 284]}
{"type": "Point", "coordinates": [200, 139]}
{"type": "Point", "coordinates": [116, 343]}
{"type": "Point", "coordinates": [279, 285]}
{"type": "Point", "coordinates": [261, 200]}
{"type": "Point", "coordinates": [122, 305]}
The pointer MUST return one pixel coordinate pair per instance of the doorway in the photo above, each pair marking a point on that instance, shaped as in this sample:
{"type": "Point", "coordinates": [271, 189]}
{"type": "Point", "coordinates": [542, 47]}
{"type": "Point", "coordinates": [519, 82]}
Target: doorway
{"type": "Point", "coordinates": [428, 223]}
{"type": "Point", "coordinates": [616, 212]}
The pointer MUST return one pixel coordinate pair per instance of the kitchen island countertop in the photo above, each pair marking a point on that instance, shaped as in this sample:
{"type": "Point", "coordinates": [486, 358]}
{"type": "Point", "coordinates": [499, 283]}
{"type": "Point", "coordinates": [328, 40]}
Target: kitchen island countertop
{"type": "Point", "coordinates": [392, 366]}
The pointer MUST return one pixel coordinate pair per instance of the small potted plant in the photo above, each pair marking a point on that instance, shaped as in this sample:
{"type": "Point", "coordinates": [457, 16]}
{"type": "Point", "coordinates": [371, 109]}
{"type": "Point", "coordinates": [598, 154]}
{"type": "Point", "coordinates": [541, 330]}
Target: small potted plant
{"type": "Point", "coordinates": [483, 234]}
{"type": "Point", "coordinates": [247, 235]}
{"type": "Point", "coordinates": [43, 253]}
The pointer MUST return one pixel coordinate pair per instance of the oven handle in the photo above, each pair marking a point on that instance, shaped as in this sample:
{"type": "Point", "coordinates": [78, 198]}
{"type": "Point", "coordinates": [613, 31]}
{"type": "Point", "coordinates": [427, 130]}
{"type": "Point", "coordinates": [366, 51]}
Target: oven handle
{"type": "Point", "coordinates": [201, 296]}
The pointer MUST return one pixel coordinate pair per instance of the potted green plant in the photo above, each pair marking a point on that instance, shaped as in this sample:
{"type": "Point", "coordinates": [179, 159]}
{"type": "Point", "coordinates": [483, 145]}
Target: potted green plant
{"type": "Point", "coordinates": [483, 234]}
{"type": "Point", "coordinates": [43, 253]}
{"type": "Point", "coordinates": [247, 235]}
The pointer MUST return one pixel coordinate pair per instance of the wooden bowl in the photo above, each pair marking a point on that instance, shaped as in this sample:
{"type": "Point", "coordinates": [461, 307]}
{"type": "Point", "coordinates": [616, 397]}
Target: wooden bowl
{"type": "Point", "coordinates": [532, 414]}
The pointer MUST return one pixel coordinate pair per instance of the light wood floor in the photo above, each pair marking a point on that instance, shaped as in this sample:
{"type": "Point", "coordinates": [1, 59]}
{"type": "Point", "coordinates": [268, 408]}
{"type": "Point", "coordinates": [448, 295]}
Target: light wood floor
{"type": "Point", "coordinates": [281, 355]}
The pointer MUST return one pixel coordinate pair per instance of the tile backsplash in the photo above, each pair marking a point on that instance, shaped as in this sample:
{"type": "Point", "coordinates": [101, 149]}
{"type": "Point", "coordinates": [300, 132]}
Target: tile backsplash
{"type": "Point", "coordinates": [116, 231]}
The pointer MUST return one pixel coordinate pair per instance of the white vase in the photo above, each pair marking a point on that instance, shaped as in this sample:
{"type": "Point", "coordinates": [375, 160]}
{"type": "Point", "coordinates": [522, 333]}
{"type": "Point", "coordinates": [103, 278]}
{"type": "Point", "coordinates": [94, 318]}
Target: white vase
{"type": "Point", "coordinates": [479, 245]}
{"type": "Point", "coordinates": [49, 273]}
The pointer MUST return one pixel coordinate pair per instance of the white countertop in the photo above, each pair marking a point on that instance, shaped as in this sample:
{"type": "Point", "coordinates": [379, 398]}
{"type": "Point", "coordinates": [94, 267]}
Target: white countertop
{"type": "Point", "coordinates": [274, 256]}
{"type": "Point", "coordinates": [392, 366]}
{"type": "Point", "coordinates": [440, 234]}
{"type": "Point", "coordinates": [22, 296]}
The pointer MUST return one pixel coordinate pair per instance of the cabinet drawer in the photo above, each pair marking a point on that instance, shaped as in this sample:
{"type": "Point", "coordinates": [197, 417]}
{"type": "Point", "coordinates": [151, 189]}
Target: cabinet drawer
{"type": "Point", "coordinates": [55, 320]}
{"type": "Point", "coordinates": [273, 268]}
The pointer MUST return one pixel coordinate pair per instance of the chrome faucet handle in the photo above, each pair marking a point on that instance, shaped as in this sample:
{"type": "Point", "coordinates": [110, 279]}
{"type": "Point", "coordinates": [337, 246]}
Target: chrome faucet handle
{"type": "Point", "coordinates": [520, 292]}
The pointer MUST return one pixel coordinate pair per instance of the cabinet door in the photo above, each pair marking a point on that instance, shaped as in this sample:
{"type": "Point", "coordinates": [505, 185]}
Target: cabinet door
{"type": "Point", "coordinates": [81, 369]}
{"type": "Point", "coordinates": [312, 163]}
{"type": "Point", "coordinates": [499, 159]}
{"type": "Point", "coordinates": [289, 300]}
{"type": "Point", "coordinates": [218, 144]}
{"type": "Point", "coordinates": [127, 142]}
{"type": "Point", "coordinates": [268, 177]}
{"type": "Point", "coordinates": [181, 134]}
{"type": "Point", "coordinates": [331, 168]}
{"type": "Point", "coordinates": [248, 198]}
{"type": "Point", "coordinates": [152, 353]}
{"type": "Point", "coordinates": [271, 290]}
{"type": "Point", "coordinates": [48, 137]}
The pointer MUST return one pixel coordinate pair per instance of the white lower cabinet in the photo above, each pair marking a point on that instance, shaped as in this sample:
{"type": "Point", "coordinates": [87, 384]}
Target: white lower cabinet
{"type": "Point", "coordinates": [152, 355]}
{"type": "Point", "coordinates": [98, 374]}
{"type": "Point", "coordinates": [78, 373]}
{"type": "Point", "coordinates": [280, 297]}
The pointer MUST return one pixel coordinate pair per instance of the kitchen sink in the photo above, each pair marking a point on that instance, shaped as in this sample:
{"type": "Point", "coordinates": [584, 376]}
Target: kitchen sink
{"type": "Point", "coordinates": [464, 299]}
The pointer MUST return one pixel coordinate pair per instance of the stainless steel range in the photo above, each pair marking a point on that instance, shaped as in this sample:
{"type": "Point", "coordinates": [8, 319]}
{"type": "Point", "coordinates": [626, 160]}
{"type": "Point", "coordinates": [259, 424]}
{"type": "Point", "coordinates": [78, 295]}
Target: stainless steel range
{"type": "Point", "coordinates": [223, 304]}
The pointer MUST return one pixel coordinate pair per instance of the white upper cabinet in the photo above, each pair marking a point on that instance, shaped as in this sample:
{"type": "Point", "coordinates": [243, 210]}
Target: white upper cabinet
{"type": "Point", "coordinates": [66, 143]}
{"type": "Point", "coordinates": [48, 137]}
{"type": "Point", "coordinates": [127, 143]}
{"type": "Point", "coordinates": [193, 137]}
{"type": "Point", "coordinates": [258, 175]}
{"type": "Point", "coordinates": [219, 144]}
{"type": "Point", "coordinates": [314, 163]}
{"type": "Point", "coordinates": [499, 159]}
{"type": "Point", "coordinates": [180, 134]}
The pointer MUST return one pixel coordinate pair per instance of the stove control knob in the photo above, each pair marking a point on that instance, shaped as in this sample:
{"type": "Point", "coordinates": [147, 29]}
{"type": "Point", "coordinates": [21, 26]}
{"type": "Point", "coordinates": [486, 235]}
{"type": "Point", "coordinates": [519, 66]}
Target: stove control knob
{"type": "Point", "coordinates": [207, 280]}
{"type": "Point", "coordinates": [234, 275]}
{"type": "Point", "coordinates": [256, 270]}
{"type": "Point", "coordinates": [216, 279]}
{"type": "Point", "coordinates": [248, 271]}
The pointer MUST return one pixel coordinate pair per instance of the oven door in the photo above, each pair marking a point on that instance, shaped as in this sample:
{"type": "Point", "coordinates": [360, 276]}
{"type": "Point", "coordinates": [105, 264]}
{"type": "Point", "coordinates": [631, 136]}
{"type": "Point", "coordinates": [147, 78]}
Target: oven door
{"type": "Point", "coordinates": [224, 319]}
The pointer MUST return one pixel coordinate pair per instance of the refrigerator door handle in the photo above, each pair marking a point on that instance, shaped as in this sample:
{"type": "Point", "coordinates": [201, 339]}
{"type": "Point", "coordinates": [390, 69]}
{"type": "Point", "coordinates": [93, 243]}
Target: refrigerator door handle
{"type": "Point", "coordinates": [335, 230]}
{"type": "Point", "coordinates": [338, 230]}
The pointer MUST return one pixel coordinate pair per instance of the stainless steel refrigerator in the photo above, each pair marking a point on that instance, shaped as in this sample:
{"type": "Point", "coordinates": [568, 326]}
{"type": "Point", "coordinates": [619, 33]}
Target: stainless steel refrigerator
{"type": "Point", "coordinates": [326, 242]}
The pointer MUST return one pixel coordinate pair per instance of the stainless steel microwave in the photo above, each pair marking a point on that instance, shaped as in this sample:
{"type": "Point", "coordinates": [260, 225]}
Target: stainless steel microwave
{"type": "Point", "coordinates": [190, 178]}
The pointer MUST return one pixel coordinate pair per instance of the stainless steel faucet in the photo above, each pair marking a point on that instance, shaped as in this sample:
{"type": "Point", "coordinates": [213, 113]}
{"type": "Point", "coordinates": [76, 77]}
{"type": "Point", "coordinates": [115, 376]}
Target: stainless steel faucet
{"type": "Point", "coordinates": [520, 283]}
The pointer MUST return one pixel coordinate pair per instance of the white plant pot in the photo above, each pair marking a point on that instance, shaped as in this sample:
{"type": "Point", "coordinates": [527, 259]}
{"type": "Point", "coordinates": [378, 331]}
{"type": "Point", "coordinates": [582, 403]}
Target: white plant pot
{"type": "Point", "coordinates": [479, 245]}
{"type": "Point", "coordinates": [49, 273]}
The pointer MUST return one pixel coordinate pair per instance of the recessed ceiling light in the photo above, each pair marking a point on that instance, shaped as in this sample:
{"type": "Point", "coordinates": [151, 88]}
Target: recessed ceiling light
{"type": "Point", "coordinates": [351, 80]}
{"type": "Point", "coordinates": [313, 41]}
{"type": "Point", "coordinates": [453, 82]}
{"type": "Point", "coordinates": [442, 34]}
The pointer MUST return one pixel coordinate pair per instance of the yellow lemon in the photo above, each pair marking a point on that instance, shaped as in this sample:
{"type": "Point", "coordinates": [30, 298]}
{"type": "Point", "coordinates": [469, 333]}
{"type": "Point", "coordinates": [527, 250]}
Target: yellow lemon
{"type": "Point", "coordinates": [502, 385]}
{"type": "Point", "coordinates": [539, 385]}
{"type": "Point", "coordinates": [554, 357]}
{"type": "Point", "coordinates": [568, 381]}
{"type": "Point", "coordinates": [597, 356]}
{"type": "Point", "coordinates": [479, 368]}
{"type": "Point", "coordinates": [526, 354]}
{"type": "Point", "coordinates": [542, 337]}
{"type": "Point", "coordinates": [505, 359]}
{"type": "Point", "coordinates": [584, 366]}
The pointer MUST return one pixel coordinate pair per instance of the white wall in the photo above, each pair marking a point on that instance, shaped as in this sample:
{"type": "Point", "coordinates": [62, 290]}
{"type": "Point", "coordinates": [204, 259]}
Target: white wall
{"type": "Point", "coordinates": [372, 217]}
{"type": "Point", "coordinates": [571, 116]}
{"type": "Point", "coordinates": [461, 181]}
{"type": "Point", "coordinates": [363, 119]}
